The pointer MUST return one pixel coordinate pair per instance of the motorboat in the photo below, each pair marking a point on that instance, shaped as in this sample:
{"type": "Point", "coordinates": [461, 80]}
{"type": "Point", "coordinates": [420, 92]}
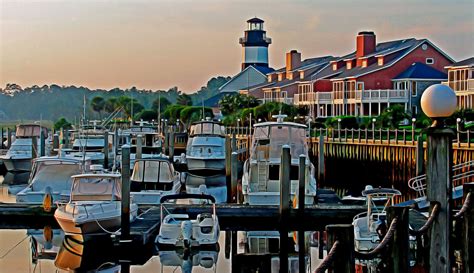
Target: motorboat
{"type": "Point", "coordinates": [19, 155]}
{"type": "Point", "coordinates": [214, 185]}
{"type": "Point", "coordinates": [94, 205]}
{"type": "Point", "coordinates": [153, 178]}
{"type": "Point", "coordinates": [51, 176]}
{"type": "Point", "coordinates": [206, 147]}
{"type": "Point", "coordinates": [261, 181]}
{"type": "Point", "coordinates": [90, 146]}
{"type": "Point", "coordinates": [187, 260]}
{"type": "Point", "coordinates": [186, 230]}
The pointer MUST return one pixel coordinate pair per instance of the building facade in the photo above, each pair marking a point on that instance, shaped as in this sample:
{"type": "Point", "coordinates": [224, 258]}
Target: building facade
{"type": "Point", "coordinates": [461, 80]}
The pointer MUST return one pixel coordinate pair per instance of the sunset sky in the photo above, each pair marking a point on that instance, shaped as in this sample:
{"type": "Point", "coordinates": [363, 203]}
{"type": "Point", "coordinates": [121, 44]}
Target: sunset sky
{"type": "Point", "coordinates": [160, 44]}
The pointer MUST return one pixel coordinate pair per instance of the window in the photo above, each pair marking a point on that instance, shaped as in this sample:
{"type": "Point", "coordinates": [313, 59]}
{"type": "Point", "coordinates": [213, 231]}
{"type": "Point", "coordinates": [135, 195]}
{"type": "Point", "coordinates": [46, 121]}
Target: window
{"type": "Point", "coordinates": [414, 92]}
{"type": "Point", "coordinates": [364, 63]}
{"type": "Point", "coordinates": [429, 61]}
{"type": "Point", "coordinates": [269, 78]}
{"type": "Point", "coordinates": [349, 64]}
{"type": "Point", "coordinates": [424, 47]}
{"type": "Point", "coordinates": [302, 75]}
{"type": "Point", "coordinates": [334, 66]}
{"type": "Point", "coordinates": [380, 61]}
{"type": "Point", "coordinates": [360, 86]}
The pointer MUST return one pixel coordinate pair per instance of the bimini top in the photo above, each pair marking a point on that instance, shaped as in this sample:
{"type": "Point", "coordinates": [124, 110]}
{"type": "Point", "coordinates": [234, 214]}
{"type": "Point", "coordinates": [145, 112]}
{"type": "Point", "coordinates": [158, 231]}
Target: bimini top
{"type": "Point", "coordinates": [98, 175]}
{"type": "Point", "coordinates": [207, 127]}
{"type": "Point", "coordinates": [187, 196]}
{"type": "Point", "coordinates": [381, 191]}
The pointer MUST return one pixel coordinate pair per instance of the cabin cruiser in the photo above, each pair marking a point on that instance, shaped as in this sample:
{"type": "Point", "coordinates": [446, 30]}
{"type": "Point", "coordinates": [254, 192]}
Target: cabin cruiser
{"type": "Point", "coordinates": [18, 157]}
{"type": "Point", "coordinates": [186, 260]}
{"type": "Point", "coordinates": [51, 176]}
{"type": "Point", "coordinates": [153, 178]}
{"type": "Point", "coordinates": [184, 230]}
{"type": "Point", "coordinates": [206, 148]}
{"type": "Point", "coordinates": [261, 181]}
{"type": "Point", "coordinates": [94, 205]}
{"type": "Point", "coordinates": [90, 146]}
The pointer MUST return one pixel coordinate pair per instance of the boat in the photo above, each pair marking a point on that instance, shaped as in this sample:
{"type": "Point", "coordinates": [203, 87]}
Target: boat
{"type": "Point", "coordinates": [206, 147]}
{"type": "Point", "coordinates": [184, 230]}
{"type": "Point", "coordinates": [215, 185]}
{"type": "Point", "coordinates": [94, 206]}
{"type": "Point", "coordinates": [153, 178]}
{"type": "Point", "coordinates": [261, 181]}
{"type": "Point", "coordinates": [188, 259]}
{"type": "Point", "coordinates": [19, 155]}
{"type": "Point", "coordinates": [51, 176]}
{"type": "Point", "coordinates": [90, 146]}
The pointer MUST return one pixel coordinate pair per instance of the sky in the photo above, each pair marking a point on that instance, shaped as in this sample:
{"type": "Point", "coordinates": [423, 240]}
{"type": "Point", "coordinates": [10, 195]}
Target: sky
{"type": "Point", "coordinates": [164, 43]}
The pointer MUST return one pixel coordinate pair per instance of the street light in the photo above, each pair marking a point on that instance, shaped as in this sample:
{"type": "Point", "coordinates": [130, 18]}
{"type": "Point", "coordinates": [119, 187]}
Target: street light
{"type": "Point", "coordinates": [373, 128]}
{"type": "Point", "coordinates": [438, 102]}
{"type": "Point", "coordinates": [413, 120]}
{"type": "Point", "coordinates": [238, 126]}
{"type": "Point", "coordinates": [458, 129]}
{"type": "Point", "coordinates": [339, 128]}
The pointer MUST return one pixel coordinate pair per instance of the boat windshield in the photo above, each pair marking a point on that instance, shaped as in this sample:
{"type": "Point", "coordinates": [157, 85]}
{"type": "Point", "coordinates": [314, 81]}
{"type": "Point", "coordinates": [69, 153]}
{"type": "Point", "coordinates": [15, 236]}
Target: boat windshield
{"type": "Point", "coordinates": [96, 188]}
{"type": "Point", "coordinates": [90, 144]}
{"type": "Point", "coordinates": [268, 141]}
{"type": "Point", "coordinates": [207, 128]}
{"type": "Point", "coordinates": [56, 175]}
{"type": "Point", "coordinates": [152, 171]}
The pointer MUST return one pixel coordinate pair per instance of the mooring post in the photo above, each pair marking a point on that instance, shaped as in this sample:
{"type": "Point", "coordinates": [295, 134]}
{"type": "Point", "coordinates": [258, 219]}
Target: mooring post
{"type": "Point", "coordinates": [138, 154]}
{"type": "Point", "coordinates": [66, 138]}
{"type": "Point", "coordinates": [321, 161]}
{"type": "Point", "coordinates": [227, 245]}
{"type": "Point", "coordinates": [234, 176]}
{"type": "Point", "coordinates": [344, 258]}
{"type": "Point", "coordinates": [420, 156]}
{"type": "Point", "coordinates": [171, 141]}
{"type": "Point", "coordinates": [234, 142]}
{"type": "Point", "coordinates": [284, 206]}
{"type": "Point", "coordinates": [301, 205]}
{"type": "Point", "coordinates": [166, 149]}
{"type": "Point", "coordinates": [34, 147]}
{"type": "Point", "coordinates": [125, 216]}
{"type": "Point", "coordinates": [42, 144]}
{"type": "Point", "coordinates": [1, 144]}
{"type": "Point", "coordinates": [439, 188]}
{"type": "Point", "coordinates": [9, 138]}
{"type": "Point", "coordinates": [468, 230]}
{"type": "Point", "coordinates": [399, 248]}
{"type": "Point", "coordinates": [106, 150]}
{"type": "Point", "coordinates": [55, 144]}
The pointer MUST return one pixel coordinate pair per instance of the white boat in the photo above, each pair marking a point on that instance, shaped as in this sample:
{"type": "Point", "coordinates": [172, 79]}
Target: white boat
{"type": "Point", "coordinates": [19, 155]}
{"type": "Point", "coordinates": [94, 205]}
{"type": "Point", "coordinates": [366, 224]}
{"type": "Point", "coordinates": [206, 148]}
{"type": "Point", "coordinates": [183, 230]}
{"type": "Point", "coordinates": [186, 260]}
{"type": "Point", "coordinates": [88, 146]}
{"type": "Point", "coordinates": [51, 176]}
{"type": "Point", "coordinates": [152, 179]}
{"type": "Point", "coordinates": [261, 181]}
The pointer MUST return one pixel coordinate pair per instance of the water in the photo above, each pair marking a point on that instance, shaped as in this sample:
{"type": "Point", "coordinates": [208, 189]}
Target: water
{"type": "Point", "coordinates": [17, 252]}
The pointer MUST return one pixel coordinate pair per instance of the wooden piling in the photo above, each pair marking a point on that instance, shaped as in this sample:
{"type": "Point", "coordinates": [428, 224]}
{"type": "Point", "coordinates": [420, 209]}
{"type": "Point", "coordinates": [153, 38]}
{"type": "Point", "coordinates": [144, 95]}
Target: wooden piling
{"type": "Point", "coordinates": [106, 150]}
{"type": "Point", "coordinates": [66, 138]}
{"type": "Point", "coordinates": [125, 216]}
{"type": "Point", "coordinates": [344, 259]}
{"type": "Point", "coordinates": [234, 175]}
{"type": "Point", "coordinates": [285, 167]}
{"type": "Point", "coordinates": [301, 205]}
{"type": "Point", "coordinates": [420, 156]}
{"type": "Point", "coordinates": [42, 144]}
{"type": "Point", "coordinates": [171, 144]}
{"type": "Point", "coordinates": [439, 188]}
{"type": "Point", "coordinates": [34, 147]}
{"type": "Point", "coordinates": [9, 138]}
{"type": "Point", "coordinates": [138, 154]}
{"type": "Point", "coordinates": [468, 231]}
{"type": "Point", "coordinates": [55, 144]}
{"type": "Point", "coordinates": [1, 144]}
{"type": "Point", "coordinates": [321, 161]}
{"type": "Point", "coordinates": [399, 248]}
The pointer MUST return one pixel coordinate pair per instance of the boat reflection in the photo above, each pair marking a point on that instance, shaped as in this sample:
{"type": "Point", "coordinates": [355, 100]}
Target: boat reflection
{"type": "Point", "coordinates": [186, 259]}
{"type": "Point", "coordinates": [44, 243]}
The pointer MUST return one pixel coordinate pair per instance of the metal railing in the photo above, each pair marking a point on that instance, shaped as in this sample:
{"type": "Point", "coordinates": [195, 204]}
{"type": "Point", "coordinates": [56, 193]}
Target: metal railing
{"type": "Point", "coordinates": [378, 95]}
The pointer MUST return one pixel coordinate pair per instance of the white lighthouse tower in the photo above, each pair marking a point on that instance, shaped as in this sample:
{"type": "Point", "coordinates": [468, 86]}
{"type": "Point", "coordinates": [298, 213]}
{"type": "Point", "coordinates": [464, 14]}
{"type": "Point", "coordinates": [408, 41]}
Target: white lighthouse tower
{"type": "Point", "coordinates": [255, 44]}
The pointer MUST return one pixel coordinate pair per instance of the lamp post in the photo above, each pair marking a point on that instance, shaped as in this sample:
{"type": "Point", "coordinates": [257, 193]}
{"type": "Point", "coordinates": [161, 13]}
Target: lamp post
{"type": "Point", "coordinates": [413, 120]}
{"type": "Point", "coordinates": [373, 128]}
{"type": "Point", "coordinates": [458, 130]}
{"type": "Point", "coordinates": [439, 102]}
{"type": "Point", "coordinates": [238, 126]}
{"type": "Point", "coordinates": [161, 126]}
{"type": "Point", "coordinates": [178, 125]}
{"type": "Point", "coordinates": [339, 129]}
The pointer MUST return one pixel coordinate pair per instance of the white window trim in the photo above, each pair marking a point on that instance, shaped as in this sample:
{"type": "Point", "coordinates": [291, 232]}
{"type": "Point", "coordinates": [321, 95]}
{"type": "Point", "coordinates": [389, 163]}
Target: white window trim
{"type": "Point", "coordinates": [432, 61]}
{"type": "Point", "coordinates": [416, 90]}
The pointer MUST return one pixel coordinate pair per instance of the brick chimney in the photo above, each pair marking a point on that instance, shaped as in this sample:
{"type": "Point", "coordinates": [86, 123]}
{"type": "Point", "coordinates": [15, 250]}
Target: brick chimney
{"type": "Point", "coordinates": [293, 60]}
{"type": "Point", "coordinates": [365, 44]}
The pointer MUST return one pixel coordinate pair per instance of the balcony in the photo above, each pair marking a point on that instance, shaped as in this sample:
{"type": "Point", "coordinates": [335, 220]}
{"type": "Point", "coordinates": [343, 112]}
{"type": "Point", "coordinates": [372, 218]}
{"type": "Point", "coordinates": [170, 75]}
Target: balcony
{"type": "Point", "coordinates": [282, 100]}
{"type": "Point", "coordinates": [358, 96]}
{"type": "Point", "coordinates": [461, 87]}
{"type": "Point", "coordinates": [314, 98]}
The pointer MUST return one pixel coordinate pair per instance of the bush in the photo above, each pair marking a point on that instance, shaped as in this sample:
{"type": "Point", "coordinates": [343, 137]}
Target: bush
{"type": "Point", "coordinates": [346, 122]}
{"type": "Point", "coordinates": [147, 115]}
{"type": "Point", "coordinates": [62, 123]}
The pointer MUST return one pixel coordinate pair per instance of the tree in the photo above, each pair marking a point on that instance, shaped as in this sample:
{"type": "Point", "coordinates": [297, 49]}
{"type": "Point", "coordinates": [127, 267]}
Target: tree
{"type": "Point", "coordinates": [111, 104]}
{"type": "Point", "coordinates": [147, 115]}
{"type": "Point", "coordinates": [232, 102]}
{"type": "Point", "coordinates": [162, 102]}
{"type": "Point", "coordinates": [191, 114]}
{"type": "Point", "coordinates": [98, 104]}
{"type": "Point", "coordinates": [184, 99]}
{"type": "Point", "coordinates": [62, 123]}
{"type": "Point", "coordinates": [392, 116]}
{"type": "Point", "coordinates": [130, 106]}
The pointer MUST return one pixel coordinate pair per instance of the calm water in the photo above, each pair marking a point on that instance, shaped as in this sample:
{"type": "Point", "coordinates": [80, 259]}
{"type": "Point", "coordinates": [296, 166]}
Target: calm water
{"type": "Point", "coordinates": [28, 251]}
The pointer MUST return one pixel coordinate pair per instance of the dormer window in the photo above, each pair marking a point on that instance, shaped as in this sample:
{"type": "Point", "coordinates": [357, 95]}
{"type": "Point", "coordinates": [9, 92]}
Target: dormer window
{"type": "Point", "coordinates": [269, 77]}
{"type": "Point", "coordinates": [429, 61]}
{"type": "Point", "coordinates": [364, 63]}
{"type": "Point", "coordinates": [280, 77]}
{"type": "Point", "coordinates": [289, 76]}
{"type": "Point", "coordinates": [349, 64]}
{"type": "Point", "coordinates": [301, 74]}
{"type": "Point", "coordinates": [380, 61]}
{"type": "Point", "coordinates": [334, 66]}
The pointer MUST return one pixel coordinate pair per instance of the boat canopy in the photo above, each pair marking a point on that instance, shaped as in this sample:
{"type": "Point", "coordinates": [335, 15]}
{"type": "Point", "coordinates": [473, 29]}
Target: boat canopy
{"type": "Point", "coordinates": [187, 196]}
{"type": "Point", "coordinates": [93, 187]}
{"type": "Point", "coordinates": [152, 171]}
{"type": "Point", "coordinates": [97, 143]}
{"type": "Point", "coordinates": [30, 130]}
{"type": "Point", "coordinates": [207, 128]}
{"type": "Point", "coordinates": [269, 138]}
{"type": "Point", "coordinates": [380, 192]}
{"type": "Point", "coordinates": [54, 173]}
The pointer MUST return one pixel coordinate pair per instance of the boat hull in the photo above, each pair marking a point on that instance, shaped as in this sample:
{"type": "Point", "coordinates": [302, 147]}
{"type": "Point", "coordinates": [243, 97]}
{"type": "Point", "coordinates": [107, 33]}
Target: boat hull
{"type": "Point", "coordinates": [17, 164]}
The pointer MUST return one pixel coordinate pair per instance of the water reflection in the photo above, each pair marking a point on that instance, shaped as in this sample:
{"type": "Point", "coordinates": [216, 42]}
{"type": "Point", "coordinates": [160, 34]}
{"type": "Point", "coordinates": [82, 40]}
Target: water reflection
{"type": "Point", "coordinates": [44, 243]}
{"type": "Point", "coordinates": [215, 185]}
{"type": "Point", "coordinates": [16, 178]}
{"type": "Point", "coordinates": [186, 259]}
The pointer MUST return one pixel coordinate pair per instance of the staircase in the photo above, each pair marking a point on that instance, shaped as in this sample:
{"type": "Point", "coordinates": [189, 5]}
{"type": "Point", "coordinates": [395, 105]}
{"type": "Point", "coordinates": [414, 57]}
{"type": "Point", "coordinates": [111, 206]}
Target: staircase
{"type": "Point", "coordinates": [262, 169]}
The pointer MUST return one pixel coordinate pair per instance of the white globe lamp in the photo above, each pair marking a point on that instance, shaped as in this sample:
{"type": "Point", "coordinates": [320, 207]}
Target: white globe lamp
{"type": "Point", "coordinates": [438, 102]}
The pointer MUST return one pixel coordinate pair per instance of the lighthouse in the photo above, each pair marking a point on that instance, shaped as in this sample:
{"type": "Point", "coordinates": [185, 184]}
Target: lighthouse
{"type": "Point", "coordinates": [255, 44]}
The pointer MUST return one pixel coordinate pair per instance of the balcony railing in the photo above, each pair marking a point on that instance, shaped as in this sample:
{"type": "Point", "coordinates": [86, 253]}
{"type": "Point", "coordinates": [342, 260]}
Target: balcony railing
{"type": "Point", "coordinates": [461, 86]}
{"type": "Point", "coordinates": [382, 95]}
{"type": "Point", "coordinates": [283, 100]}
{"type": "Point", "coordinates": [244, 40]}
